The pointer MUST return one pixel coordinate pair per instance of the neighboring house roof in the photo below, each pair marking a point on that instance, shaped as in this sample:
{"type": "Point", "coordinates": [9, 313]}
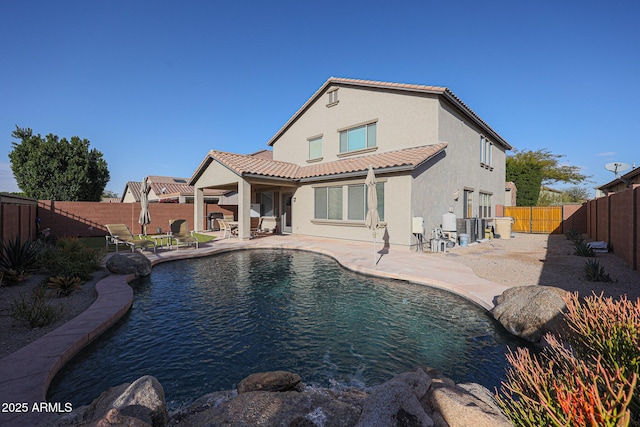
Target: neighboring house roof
{"type": "Point", "coordinates": [441, 91]}
{"type": "Point", "coordinates": [265, 154]}
{"type": "Point", "coordinates": [168, 186]}
{"type": "Point", "coordinates": [243, 165]}
{"type": "Point", "coordinates": [632, 177]}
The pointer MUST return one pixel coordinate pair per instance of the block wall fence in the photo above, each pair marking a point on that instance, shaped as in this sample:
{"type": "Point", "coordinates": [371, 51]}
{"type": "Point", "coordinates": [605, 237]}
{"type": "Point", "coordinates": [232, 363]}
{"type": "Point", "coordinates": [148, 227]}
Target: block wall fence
{"type": "Point", "coordinates": [87, 219]}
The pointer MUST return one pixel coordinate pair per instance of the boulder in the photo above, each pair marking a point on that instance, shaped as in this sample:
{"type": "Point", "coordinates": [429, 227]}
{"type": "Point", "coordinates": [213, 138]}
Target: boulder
{"type": "Point", "coordinates": [115, 418]}
{"type": "Point", "coordinates": [310, 407]}
{"type": "Point", "coordinates": [531, 311]}
{"type": "Point", "coordinates": [457, 407]}
{"type": "Point", "coordinates": [271, 381]}
{"type": "Point", "coordinates": [397, 402]}
{"type": "Point", "coordinates": [133, 263]}
{"type": "Point", "coordinates": [144, 399]}
{"type": "Point", "coordinates": [141, 403]}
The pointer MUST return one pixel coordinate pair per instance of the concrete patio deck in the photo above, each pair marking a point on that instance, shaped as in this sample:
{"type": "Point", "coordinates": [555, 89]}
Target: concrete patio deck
{"type": "Point", "coordinates": [25, 375]}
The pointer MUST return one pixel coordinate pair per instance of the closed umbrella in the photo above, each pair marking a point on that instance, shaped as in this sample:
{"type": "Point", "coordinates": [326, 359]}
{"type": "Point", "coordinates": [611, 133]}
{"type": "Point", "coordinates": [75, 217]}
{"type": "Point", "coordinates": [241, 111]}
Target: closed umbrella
{"type": "Point", "coordinates": [145, 217]}
{"type": "Point", "coordinates": [372, 220]}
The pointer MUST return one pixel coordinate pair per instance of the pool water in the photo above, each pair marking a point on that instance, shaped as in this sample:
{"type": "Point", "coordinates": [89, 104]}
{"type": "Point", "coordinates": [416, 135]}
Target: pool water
{"type": "Point", "coordinates": [202, 325]}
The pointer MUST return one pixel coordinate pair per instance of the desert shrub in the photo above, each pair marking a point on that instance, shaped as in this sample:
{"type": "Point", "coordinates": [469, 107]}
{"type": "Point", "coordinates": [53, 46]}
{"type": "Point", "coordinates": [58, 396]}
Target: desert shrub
{"type": "Point", "coordinates": [64, 285]}
{"type": "Point", "coordinates": [609, 329]}
{"type": "Point", "coordinates": [70, 258]}
{"type": "Point", "coordinates": [18, 259]}
{"type": "Point", "coordinates": [590, 379]}
{"type": "Point", "coordinates": [582, 248]}
{"type": "Point", "coordinates": [35, 309]}
{"type": "Point", "coordinates": [573, 235]}
{"type": "Point", "coordinates": [596, 272]}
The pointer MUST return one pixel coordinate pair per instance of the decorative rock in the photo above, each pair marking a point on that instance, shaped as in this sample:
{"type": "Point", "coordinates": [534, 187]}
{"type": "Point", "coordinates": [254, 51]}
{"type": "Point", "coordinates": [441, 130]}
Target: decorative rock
{"type": "Point", "coordinates": [144, 399]}
{"type": "Point", "coordinates": [459, 408]}
{"type": "Point", "coordinates": [133, 263]}
{"type": "Point", "coordinates": [271, 381]}
{"type": "Point", "coordinates": [530, 311]}
{"type": "Point", "coordinates": [396, 402]}
{"type": "Point", "coordinates": [259, 408]}
{"type": "Point", "coordinates": [114, 418]}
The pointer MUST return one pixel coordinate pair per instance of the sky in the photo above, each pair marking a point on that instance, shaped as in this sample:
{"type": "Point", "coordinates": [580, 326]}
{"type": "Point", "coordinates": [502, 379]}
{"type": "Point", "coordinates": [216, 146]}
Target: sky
{"type": "Point", "coordinates": [154, 85]}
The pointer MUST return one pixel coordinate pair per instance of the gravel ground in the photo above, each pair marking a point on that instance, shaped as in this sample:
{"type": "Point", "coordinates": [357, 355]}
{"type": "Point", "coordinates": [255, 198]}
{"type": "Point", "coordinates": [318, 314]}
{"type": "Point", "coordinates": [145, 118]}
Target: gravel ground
{"type": "Point", "coordinates": [548, 260]}
{"type": "Point", "coordinates": [528, 259]}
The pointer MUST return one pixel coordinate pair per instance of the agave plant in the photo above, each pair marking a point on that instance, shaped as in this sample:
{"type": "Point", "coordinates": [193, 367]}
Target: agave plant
{"type": "Point", "coordinates": [582, 248]}
{"type": "Point", "coordinates": [64, 285]}
{"type": "Point", "coordinates": [596, 272]}
{"type": "Point", "coordinates": [18, 259]}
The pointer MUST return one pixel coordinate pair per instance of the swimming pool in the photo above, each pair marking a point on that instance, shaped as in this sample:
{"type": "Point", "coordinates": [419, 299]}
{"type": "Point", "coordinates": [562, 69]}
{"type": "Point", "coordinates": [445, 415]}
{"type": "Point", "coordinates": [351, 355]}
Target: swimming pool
{"type": "Point", "coordinates": [202, 325]}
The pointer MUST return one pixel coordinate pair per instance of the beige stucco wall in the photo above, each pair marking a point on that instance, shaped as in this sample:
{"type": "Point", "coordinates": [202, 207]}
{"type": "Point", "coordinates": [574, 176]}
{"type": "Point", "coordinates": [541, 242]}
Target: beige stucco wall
{"type": "Point", "coordinates": [403, 120]}
{"type": "Point", "coordinates": [396, 215]}
{"type": "Point", "coordinates": [435, 191]}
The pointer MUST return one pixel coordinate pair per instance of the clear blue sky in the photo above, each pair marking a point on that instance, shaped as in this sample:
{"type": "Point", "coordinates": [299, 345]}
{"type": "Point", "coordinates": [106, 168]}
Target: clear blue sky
{"type": "Point", "coordinates": [156, 84]}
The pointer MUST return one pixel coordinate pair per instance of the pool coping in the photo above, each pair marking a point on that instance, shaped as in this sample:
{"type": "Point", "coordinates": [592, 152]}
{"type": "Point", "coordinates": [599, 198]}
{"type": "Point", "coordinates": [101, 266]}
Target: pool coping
{"type": "Point", "coordinates": [26, 374]}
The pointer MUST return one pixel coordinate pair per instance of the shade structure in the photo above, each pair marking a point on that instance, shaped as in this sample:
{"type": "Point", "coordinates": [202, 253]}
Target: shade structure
{"type": "Point", "coordinates": [145, 217]}
{"type": "Point", "coordinates": [372, 220]}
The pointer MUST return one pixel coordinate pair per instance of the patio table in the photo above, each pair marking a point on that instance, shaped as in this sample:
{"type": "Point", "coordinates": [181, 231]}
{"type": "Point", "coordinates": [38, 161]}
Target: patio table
{"type": "Point", "coordinates": [160, 239]}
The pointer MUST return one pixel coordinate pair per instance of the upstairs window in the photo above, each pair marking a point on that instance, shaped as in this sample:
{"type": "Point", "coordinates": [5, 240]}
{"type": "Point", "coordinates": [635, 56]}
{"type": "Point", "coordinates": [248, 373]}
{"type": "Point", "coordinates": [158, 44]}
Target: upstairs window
{"type": "Point", "coordinates": [315, 148]}
{"type": "Point", "coordinates": [333, 98]}
{"type": "Point", "coordinates": [486, 152]}
{"type": "Point", "coordinates": [358, 138]}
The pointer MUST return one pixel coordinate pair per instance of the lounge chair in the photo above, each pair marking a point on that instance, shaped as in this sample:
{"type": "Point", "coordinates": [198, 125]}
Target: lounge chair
{"type": "Point", "coordinates": [119, 234]}
{"type": "Point", "coordinates": [181, 234]}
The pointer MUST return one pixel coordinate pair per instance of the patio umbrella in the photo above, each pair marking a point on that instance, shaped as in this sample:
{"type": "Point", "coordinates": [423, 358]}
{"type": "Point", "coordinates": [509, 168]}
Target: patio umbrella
{"type": "Point", "coordinates": [372, 221]}
{"type": "Point", "coordinates": [145, 217]}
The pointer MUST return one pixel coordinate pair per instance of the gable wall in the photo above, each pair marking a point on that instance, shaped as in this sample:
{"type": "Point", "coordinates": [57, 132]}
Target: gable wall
{"type": "Point", "coordinates": [435, 190]}
{"type": "Point", "coordinates": [403, 121]}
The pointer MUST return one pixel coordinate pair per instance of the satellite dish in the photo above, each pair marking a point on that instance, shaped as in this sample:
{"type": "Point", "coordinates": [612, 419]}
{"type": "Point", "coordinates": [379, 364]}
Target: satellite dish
{"type": "Point", "coordinates": [617, 167]}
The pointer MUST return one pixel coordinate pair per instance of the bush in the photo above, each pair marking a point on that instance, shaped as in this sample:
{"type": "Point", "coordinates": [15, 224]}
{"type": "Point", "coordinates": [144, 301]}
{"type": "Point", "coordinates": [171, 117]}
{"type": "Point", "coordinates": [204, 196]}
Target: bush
{"type": "Point", "coordinates": [582, 248]}
{"type": "Point", "coordinates": [573, 235]}
{"type": "Point", "coordinates": [18, 259]}
{"type": "Point", "coordinates": [35, 310]}
{"type": "Point", "coordinates": [589, 380]}
{"type": "Point", "coordinates": [609, 329]}
{"type": "Point", "coordinates": [70, 258]}
{"type": "Point", "coordinates": [595, 272]}
{"type": "Point", "coordinates": [63, 285]}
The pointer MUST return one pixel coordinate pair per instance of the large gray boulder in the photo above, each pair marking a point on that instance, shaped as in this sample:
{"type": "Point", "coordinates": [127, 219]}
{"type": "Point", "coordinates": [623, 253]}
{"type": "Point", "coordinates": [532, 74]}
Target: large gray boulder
{"type": "Point", "coordinates": [138, 404]}
{"type": "Point", "coordinates": [531, 311]}
{"type": "Point", "coordinates": [129, 263]}
{"type": "Point", "coordinates": [144, 399]}
{"type": "Point", "coordinates": [458, 406]}
{"type": "Point", "coordinates": [397, 402]}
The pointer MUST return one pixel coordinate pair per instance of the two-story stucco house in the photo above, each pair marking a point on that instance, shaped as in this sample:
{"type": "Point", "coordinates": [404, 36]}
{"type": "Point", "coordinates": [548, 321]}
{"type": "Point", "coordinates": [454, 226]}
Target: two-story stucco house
{"type": "Point", "coordinates": [430, 152]}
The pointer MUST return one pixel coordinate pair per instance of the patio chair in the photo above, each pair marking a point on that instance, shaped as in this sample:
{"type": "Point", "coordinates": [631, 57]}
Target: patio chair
{"type": "Point", "coordinates": [256, 227]}
{"type": "Point", "coordinates": [225, 228]}
{"type": "Point", "coordinates": [119, 234]}
{"type": "Point", "coordinates": [181, 234]}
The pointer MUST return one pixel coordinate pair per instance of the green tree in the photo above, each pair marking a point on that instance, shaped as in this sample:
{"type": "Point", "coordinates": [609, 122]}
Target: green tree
{"type": "Point", "coordinates": [108, 194]}
{"type": "Point", "coordinates": [529, 170]}
{"type": "Point", "coordinates": [57, 169]}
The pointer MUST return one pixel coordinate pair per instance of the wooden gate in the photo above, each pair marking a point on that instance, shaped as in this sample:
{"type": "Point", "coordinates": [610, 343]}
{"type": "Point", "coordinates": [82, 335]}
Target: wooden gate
{"type": "Point", "coordinates": [534, 219]}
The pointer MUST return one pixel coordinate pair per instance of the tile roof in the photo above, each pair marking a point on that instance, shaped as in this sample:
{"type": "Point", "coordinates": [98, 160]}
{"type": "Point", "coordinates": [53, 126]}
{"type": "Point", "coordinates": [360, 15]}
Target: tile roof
{"type": "Point", "coordinates": [438, 90]}
{"type": "Point", "coordinates": [250, 165]}
{"type": "Point", "coordinates": [172, 187]}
